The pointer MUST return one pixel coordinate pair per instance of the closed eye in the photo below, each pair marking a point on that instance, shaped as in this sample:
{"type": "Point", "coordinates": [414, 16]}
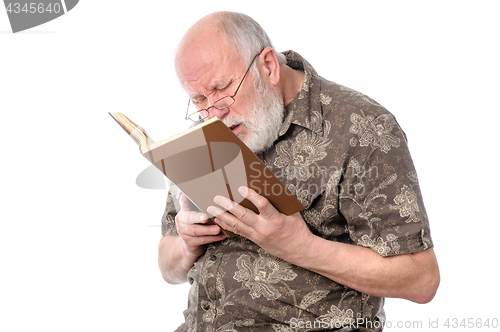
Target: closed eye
{"type": "Point", "coordinates": [199, 101]}
{"type": "Point", "coordinates": [224, 89]}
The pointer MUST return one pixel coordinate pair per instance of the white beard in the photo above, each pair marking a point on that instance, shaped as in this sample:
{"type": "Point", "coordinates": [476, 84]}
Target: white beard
{"type": "Point", "coordinates": [264, 118]}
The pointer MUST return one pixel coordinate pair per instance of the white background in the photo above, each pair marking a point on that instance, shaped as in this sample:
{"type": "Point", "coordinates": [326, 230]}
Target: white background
{"type": "Point", "coordinates": [78, 238]}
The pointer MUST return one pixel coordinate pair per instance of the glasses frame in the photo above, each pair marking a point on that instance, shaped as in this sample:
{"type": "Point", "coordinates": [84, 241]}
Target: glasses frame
{"type": "Point", "coordinates": [198, 112]}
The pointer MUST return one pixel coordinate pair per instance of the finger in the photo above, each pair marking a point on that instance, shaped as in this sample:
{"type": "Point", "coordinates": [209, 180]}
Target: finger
{"type": "Point", "coordinates": [224, 203]}
{"type": "Point", "coordinates": [197, 241]}
{"type": "Point", "coordinates": [195, 230]}
{"type": "Point", "coordinates": [240, 212]}
{"type": "Point", "coordinates": [226, 227]}
{"type": "Point", "coordinates": [187, 216]}
{"type": "Point", "coordinates": [266, 209]}
{"type": "Point", "coordinates": [231, 222]}
{"type": "Point", "coordinates": [233, 226]}
{"type": "Point", "coordinates": [185, 203]}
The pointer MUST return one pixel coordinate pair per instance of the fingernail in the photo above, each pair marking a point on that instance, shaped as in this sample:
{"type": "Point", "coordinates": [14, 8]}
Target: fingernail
{"type": "Point", "coordinates": [217, 199]}
{"type": "Point", "coordinates": [216, 230]}
{"type": "Point", "coordinates": [243, 191]}
{"type": "Point", "coordinates": [211, 210]}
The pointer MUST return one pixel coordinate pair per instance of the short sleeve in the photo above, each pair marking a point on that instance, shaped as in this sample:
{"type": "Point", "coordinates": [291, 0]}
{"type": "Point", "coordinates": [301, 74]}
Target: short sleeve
{"type": "Point", "coordinates": [380, 195]}
{"type": "Point", "coordinates": [168, 226]}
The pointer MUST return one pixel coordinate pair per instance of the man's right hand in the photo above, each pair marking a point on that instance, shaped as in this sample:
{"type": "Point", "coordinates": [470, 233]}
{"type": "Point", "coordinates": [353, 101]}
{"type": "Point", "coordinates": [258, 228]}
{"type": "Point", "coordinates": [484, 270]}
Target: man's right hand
{"type": "Point", "coordinates": [177, 254]}
{"type": "Point", "coordinates": [195, 229]}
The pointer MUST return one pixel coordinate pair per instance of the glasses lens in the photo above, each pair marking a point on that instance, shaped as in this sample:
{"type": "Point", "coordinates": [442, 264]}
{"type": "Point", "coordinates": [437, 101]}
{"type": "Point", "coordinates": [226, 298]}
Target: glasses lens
{"type": "Point", "coordinates": [197, 116]}
{"type": "Point", "coordinates": [224, 102]}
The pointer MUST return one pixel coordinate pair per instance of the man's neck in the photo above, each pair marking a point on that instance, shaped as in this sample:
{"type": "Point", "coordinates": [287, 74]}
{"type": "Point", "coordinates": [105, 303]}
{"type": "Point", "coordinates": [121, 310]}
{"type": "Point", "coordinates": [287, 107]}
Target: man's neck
{"type": "Point", "coordinates": [292, 82]}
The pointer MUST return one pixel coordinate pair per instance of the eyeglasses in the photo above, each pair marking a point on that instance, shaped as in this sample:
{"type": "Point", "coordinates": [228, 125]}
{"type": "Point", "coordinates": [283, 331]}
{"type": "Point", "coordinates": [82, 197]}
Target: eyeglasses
{"type": "Point", "coordinates": [219, 104]}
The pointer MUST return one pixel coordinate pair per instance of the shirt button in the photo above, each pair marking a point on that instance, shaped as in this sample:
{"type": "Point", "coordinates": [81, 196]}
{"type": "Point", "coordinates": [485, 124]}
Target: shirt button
{"type": "Point", "coordinates": [213, 258]}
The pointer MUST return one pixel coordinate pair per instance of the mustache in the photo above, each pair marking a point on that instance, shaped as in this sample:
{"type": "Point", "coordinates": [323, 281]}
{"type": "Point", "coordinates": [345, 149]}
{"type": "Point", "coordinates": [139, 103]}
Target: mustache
{"type": "Point", "coordinates": [233, 121]}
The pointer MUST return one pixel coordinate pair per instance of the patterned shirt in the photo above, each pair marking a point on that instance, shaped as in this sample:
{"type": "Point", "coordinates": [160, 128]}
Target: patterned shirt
{"type": "Point", "coordinates": [346, 159]}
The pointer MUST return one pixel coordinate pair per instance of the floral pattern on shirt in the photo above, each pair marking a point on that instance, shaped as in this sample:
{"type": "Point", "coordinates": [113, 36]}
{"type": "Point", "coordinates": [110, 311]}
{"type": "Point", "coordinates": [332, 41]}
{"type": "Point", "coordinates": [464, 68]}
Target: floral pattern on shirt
{"type": "Point", "coordinates": [374, 132]}
{"type": "Point", "coordinates": [298, 159]}
{"type": "Point", "coordinates": [260, 276]}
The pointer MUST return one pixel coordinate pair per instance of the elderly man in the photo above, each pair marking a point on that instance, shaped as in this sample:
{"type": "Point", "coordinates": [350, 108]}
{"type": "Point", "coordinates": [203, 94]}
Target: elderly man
{"type": "Point", "coordinates": [364, 234]}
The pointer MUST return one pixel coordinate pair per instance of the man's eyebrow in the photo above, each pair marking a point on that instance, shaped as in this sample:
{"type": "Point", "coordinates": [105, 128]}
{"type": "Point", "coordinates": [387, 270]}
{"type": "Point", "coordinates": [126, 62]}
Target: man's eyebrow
{"type": "Point", "coordinates": [223, 83]}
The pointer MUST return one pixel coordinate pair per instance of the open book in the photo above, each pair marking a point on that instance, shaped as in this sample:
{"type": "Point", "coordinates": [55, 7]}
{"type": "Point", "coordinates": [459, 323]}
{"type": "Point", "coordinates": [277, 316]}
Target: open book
{"type": "Point", "coordinates": [208, 160]}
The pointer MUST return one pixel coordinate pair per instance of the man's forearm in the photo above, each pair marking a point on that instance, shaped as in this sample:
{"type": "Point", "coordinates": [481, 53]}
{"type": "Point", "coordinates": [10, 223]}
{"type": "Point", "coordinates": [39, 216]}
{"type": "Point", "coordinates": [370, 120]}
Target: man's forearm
{"type": "Point", "coordinates": [174, 261]}
{"type": "Point", "coordinates": [411, 276]}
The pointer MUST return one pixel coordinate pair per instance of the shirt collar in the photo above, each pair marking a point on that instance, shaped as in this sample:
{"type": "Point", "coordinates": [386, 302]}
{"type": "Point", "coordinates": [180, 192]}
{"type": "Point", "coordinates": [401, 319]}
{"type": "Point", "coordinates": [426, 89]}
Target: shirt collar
{"type": "Point", "coordinates": [299, 110]}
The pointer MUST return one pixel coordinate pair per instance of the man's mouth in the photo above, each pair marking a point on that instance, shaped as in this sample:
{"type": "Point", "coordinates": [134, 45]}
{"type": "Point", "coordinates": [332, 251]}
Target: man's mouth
{"type": "Point", "coordinates": [235, 128]}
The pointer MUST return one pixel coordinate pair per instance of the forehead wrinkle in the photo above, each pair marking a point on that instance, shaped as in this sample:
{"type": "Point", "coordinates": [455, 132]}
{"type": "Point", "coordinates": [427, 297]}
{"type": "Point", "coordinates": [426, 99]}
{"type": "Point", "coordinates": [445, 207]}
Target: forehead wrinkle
{"type": "Point", "coordinates": [206, 87]}
{"type": "Point", "coordinates": [196, 80]}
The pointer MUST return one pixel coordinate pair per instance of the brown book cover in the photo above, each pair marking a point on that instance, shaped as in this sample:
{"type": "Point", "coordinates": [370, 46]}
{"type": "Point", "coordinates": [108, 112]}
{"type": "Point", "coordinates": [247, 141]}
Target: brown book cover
{"type": "Point", "coordinates": [208, 160]}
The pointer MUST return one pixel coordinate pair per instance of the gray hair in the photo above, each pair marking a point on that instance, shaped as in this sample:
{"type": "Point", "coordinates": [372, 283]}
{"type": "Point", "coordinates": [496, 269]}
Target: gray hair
{"type": "Point", "coordinates": [246, 35]}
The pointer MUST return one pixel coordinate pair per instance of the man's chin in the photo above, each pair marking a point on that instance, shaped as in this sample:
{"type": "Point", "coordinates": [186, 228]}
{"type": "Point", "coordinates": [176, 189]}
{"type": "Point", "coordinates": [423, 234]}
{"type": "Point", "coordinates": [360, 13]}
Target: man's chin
{"type": "Point", "coordinates": [255, 144]}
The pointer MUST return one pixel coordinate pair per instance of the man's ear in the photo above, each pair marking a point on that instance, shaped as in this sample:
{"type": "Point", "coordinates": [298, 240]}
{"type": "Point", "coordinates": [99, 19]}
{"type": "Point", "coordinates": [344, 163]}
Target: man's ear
{"type": "Point", "coordinates": [269, 66]}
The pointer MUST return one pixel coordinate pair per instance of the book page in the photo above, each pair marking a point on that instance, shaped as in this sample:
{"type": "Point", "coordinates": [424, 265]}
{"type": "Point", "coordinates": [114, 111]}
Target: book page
{"type": "Point", "coordinates": [194, 139]}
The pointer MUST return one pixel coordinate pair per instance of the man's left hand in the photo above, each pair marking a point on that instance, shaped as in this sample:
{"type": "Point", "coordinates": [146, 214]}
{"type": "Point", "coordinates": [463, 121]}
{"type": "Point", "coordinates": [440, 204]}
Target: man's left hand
{"type": "Point", "coordinates": [280, 235]}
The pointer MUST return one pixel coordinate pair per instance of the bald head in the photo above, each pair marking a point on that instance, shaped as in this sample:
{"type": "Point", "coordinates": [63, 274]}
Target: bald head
{"type": "Point", "coordinates": [202, 33]}
{"type": "Point", "coordinates": [204, 42]}
{"type": "Point", "coordinates": [239, 32]}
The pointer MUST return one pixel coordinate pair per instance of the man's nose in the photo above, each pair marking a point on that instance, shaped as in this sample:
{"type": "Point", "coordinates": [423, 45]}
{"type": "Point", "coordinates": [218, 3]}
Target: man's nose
{"type": "Point", "coordinates": [219, 113]}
